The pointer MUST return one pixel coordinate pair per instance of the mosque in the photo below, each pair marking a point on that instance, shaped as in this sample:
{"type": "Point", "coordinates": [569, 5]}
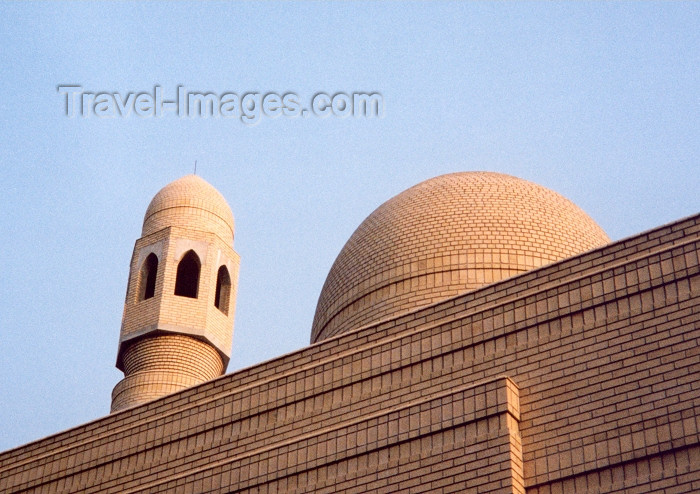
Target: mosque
{"type": "Point", "coordinates": [477, 333]}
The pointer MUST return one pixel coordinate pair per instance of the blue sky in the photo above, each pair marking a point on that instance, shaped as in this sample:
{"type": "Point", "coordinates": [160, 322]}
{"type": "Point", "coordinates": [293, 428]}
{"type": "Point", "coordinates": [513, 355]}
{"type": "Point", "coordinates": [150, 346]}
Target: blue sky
{"type": "Point", "coordinates": [598, 101]}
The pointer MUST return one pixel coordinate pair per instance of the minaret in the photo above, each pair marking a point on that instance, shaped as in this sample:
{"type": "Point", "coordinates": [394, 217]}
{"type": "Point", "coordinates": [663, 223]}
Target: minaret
{"type": "Point", "coordinates": [177, 327]}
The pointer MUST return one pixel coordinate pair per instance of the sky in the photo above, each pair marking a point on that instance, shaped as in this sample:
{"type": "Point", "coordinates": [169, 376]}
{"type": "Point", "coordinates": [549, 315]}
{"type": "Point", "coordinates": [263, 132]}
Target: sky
{"type": "Point", "coordinates": [597, 101]}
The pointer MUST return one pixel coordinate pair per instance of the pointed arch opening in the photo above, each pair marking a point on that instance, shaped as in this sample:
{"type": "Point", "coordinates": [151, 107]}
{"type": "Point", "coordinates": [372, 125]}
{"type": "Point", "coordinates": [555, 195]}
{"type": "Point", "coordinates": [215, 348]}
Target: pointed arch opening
{"type": "Point", "coordinates": [223, 290]}
{"type": "Point", "coordinates": [187, 279]}
{"type": "Point", "coordinates": [147, 277]}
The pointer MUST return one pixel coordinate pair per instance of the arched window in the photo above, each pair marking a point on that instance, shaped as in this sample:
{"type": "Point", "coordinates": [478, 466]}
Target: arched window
{"type": "Point", "coordinates": [187, 280]}
{"type": "Point", "coordinates": [223, 290]}
{"type": "Point", "coordinates": [147, 277]}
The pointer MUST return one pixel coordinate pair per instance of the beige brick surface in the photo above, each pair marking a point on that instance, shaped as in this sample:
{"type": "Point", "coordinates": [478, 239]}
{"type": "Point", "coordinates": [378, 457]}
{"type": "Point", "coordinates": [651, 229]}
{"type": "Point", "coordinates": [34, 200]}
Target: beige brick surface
{"type": "Point", "coordinates": [580, 376]}
{"type": "Point", "coordinates": [190, 202]}
{"type": "Point", "coordinates": [602, 396]}
{"type": "Point", "coordinates": [443, 237]}
{"type": "Point", "coordinates": [157, 365]}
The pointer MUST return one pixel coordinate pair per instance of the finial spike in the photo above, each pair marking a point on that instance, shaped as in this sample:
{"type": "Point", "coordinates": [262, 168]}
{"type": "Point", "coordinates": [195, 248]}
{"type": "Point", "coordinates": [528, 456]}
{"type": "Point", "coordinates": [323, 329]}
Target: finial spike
{"type": "Point", "coordinates": [195, 167]}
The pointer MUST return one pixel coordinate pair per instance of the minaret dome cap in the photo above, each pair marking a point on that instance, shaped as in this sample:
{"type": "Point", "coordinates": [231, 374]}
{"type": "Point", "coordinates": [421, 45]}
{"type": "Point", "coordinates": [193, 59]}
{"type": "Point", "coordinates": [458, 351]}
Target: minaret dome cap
{"type": "Point", "coordinates": [190, 202]}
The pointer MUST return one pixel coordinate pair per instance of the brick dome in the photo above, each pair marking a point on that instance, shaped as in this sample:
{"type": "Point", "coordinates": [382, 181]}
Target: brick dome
{"type": "Point", "coordinates": [446, 236]}
{"type": "Point", "coordinates": [189, 202]}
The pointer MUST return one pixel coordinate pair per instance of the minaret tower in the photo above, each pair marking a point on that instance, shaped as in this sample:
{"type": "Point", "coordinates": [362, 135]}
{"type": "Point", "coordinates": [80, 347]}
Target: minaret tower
{"type": "Point", "coordinates": [177, 327]}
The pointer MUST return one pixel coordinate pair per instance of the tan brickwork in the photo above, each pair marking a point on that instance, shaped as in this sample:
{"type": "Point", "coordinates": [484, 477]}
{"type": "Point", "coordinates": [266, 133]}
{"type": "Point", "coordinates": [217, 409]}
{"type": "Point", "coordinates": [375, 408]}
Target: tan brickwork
{"type": "Point", "coordinates": [192, 203]}
{"type": "Point", "coordinates": [446, 236]}
{"type": "Point", "coordinates": [580, 376]}
{"type": "Point", "coordinates": [186, 215]}
{"type": "Point", "coordinates": [161, 364]}
{"type": "Point", "coordinates": [195, 316]}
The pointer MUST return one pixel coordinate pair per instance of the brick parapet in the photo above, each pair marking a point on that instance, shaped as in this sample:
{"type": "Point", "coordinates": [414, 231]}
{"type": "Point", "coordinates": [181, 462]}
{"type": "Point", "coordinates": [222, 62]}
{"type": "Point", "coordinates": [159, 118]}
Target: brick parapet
{"type": "Point", "coordinates": [468, 417]}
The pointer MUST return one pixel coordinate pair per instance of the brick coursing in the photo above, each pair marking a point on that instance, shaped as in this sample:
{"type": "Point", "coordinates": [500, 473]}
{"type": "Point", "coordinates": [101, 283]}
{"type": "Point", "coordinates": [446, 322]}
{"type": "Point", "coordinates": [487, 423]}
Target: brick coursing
{"type": "Point", "coordinates": [443, 237]}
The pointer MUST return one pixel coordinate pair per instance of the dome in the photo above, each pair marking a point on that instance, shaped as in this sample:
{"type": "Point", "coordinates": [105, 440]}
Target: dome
{"type": "Point", "coordinates": [189, 202]}
{"type": "Point", "coordinates": [446, 236]}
